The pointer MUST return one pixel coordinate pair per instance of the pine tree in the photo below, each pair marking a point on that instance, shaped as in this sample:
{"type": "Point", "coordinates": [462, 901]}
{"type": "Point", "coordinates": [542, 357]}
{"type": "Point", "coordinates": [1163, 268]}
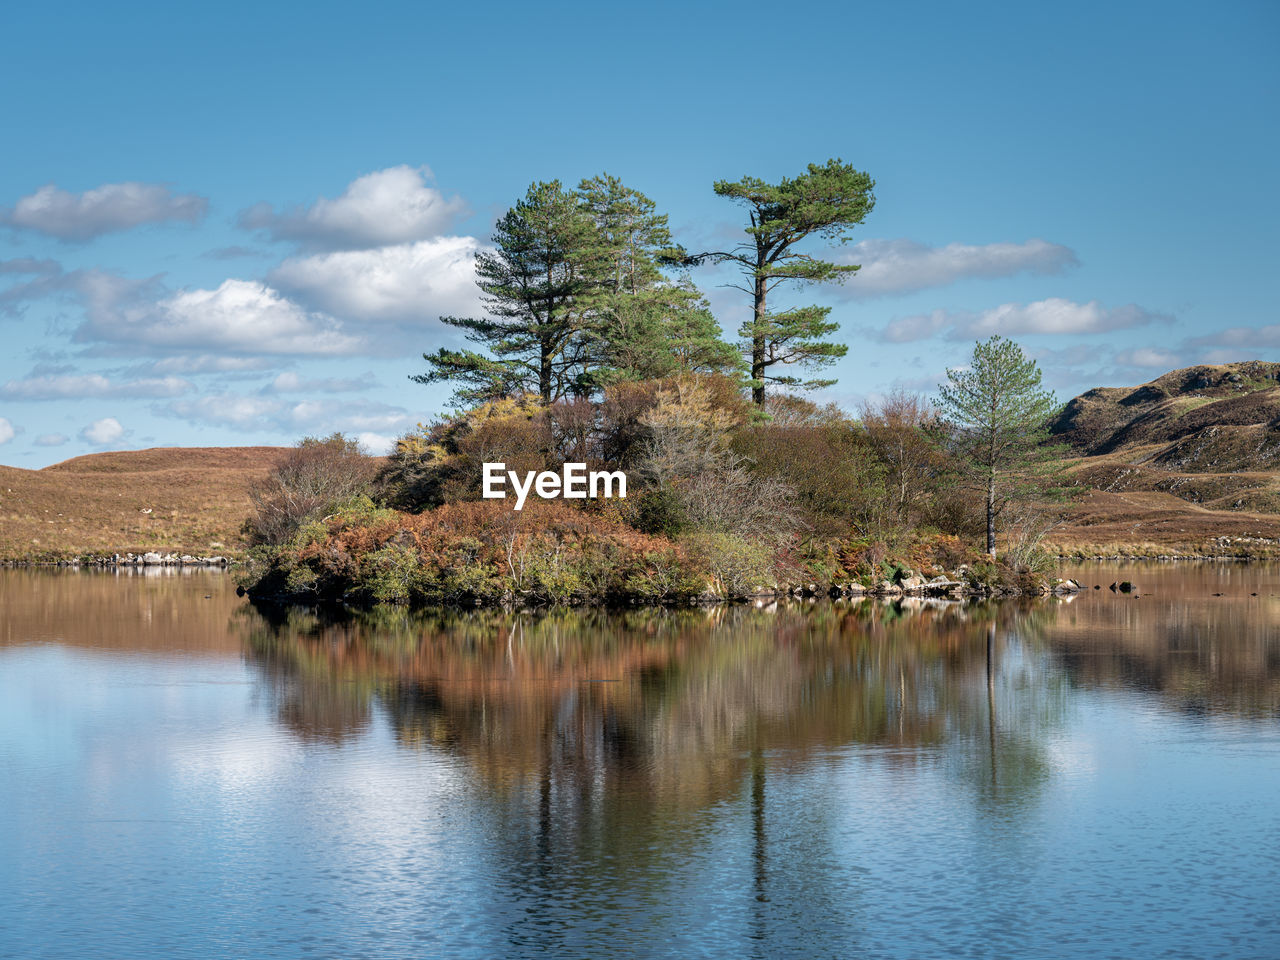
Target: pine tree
{"type": "Point", "coordinates": [825, 201]}
{"type": "Point", "coordinates": [531, 286]}
{"type": "Point", "coordinates": [576, 298]}
{"type": "Point", "coordinates": [643, 325]}
{"type": "Point", "coordinates": [998, 417]}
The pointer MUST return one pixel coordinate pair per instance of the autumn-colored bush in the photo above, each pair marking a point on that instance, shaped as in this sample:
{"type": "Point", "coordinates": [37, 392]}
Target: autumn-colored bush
{"type": "Point", "coordinates": [476, 551]}
{"type": "Point", "coordinates": [312, 480]}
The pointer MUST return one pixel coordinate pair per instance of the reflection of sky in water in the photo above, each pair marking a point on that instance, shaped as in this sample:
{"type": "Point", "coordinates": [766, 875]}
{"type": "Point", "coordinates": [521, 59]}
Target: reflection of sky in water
{"type": "Point", "coordinates": [834, 793]}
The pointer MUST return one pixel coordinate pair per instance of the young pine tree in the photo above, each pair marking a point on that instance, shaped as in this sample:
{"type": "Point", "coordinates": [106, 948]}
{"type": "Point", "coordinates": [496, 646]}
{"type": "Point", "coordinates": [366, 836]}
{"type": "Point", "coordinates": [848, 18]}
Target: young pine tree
{"type": "Point", "coordinates": [996, 416]}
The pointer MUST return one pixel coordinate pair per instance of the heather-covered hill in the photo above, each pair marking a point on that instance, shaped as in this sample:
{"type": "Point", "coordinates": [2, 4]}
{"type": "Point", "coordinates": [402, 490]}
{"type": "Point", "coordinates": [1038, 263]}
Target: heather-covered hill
{"type": "Point", "coordinates": [1206, 417]}
{"type": "Point", "coordinates": [1194, 454]}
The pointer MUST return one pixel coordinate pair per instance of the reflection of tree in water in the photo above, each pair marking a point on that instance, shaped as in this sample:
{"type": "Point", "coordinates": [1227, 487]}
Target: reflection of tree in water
{"type": "Point", "coordinates": [668, 706]}
{"type": "Point", "coordinates": [608, 746]}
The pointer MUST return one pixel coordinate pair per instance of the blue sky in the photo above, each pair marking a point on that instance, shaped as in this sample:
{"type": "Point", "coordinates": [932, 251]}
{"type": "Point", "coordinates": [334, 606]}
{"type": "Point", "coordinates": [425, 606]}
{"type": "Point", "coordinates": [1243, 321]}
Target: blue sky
{"type": "Point", "coordinates": [237, 224]}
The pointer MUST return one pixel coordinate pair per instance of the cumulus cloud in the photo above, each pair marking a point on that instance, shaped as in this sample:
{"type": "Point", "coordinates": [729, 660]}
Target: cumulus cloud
{"type": "Point", "coordinates": [392, 206]}
{"type": "Point", "coordinates": [83, 386]}
{"type": "Point", "coordinates": [397, 284]}
{"type": "Point", "coordinates": [106, 209]}
{"type": "Point", "coordinates": [904, 266]}
{"type": "Point", "coordinates": [7, 432]}
{"type": "Point", "coordinates": [51, 440]}
{"type": "Point", "coordinates": [377, 444]}
{"type": "Point", "coordinates": [240, 317]}
{"type": "Point", "coordinates": [277, 415]}
{"type": "Point", "coordinates": [218, 330]}
{"type": "Point", "coordinates": [102, 432]}
{"type": "Point", "coordinates": [1054, 316]}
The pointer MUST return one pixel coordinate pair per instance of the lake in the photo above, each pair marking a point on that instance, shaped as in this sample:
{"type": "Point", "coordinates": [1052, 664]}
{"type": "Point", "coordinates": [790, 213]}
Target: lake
{"type": "Point", "coordinates": [183, 775]}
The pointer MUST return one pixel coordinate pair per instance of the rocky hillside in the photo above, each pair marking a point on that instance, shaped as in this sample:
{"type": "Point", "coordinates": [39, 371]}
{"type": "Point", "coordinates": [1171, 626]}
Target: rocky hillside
{"type": "Point", "coordinates": [1192, 454]}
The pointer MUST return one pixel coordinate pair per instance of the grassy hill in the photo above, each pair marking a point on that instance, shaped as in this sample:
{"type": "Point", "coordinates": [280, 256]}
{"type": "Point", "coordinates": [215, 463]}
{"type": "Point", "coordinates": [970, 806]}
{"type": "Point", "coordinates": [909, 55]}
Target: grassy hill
{"type": "Point", "coordinates": [187, 499]}
{"type": "Point", "coordinates": [1190, 456]}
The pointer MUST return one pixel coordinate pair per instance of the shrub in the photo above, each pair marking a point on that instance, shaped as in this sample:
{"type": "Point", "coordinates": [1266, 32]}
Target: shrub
{"type": "Point", "coordinates": [735, 567]}
{"type": "Point", "coordinates": [392, 574]}
{"type": "Point", "coordinates": [311, 480]}
{"type": "Point", "coordinates": [660, 512]}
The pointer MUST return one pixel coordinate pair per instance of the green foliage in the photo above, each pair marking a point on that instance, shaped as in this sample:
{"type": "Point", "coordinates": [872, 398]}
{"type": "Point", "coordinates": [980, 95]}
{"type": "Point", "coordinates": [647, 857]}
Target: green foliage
{"type": "Point", "coordinates": [660, 512]}
{"type": "Point", "coordinates": [734, 566]}
{"type": "Point", "coordinates": [531, 284]}
{"type": "Point", "coordinates": [825, 202]}
{"type": "Point", "coordinates": [392, 574]}
{"type": "Point", "coordinates": [996, 416]}
{"type": "Point", "coordinates": [576, 298]}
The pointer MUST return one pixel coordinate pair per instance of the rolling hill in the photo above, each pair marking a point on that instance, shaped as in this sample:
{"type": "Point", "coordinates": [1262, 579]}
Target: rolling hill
{"type": "Point", "coordinates": [1192, 455]}
{"type": "Point", "coordinates": [185, 499]}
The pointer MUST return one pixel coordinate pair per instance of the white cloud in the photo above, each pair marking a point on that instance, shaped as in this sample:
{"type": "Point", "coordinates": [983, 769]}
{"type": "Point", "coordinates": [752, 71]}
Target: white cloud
{"type": "Point", "coordinates": [1248, 337]}
{"type": "Point", "coordinates": [79, 386]}
{"type": "Point", "coordinates": [904, 266]}
{"type": "Point", "coordinates": [105, 209]}
{"type": "Point", "coordinates": [1151, 357]}
{"type": "Point", "coordinates": [102, 432]}
{"type": "Point", "coordinates": [1054, 316]}
{"type": "Point", "coordinates": [239, 317]}
{"type": "Point", "coordinates": [290, 382]}
{"type": "Point", "coordinates": [919, 327]}
{"type": "Point", "coordinates": [276, 415]}
{"type": "Point", "coordinates": [399, 284]}
{"type": "Point", "coordinates": [6, 431]}
{"type": "Point", "coordinates": [51, 439]}
{"type": "Point", "coordinates": [377, 444]}
{"type": "Point", "coordinates": [389, 206]}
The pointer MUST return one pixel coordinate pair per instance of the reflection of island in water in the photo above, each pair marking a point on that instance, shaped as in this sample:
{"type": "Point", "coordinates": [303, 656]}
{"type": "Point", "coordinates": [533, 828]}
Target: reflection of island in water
{"type": "Point", "coordinates": [674, 707]}
{"type": "Point", "coordinates": [616, 757]}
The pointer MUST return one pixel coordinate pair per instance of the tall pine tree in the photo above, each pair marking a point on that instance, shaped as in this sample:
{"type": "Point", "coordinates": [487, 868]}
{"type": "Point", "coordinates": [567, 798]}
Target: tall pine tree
{"type": "Point", "coordinates": [576, 298]}
{"type": "Point", "coordinates": [532, 283]}
{"type": "Point", "coordinates": [642, 324]}
{"type": "Point", "coordinates": [826, 202]}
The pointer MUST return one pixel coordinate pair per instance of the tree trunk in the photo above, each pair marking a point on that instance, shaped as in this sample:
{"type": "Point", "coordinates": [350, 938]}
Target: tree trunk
{"type": "Point", "coordinates": [544, 372]}
{"type": "Point", "coordinates": [991, 514]}
{"type": "Point", "coordinates": [758, 344]}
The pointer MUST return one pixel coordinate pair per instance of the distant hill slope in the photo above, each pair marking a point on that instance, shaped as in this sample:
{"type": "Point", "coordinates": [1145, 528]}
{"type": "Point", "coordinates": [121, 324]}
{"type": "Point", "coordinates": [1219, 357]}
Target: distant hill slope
{"type": "Point", "coordinates": [1191, 455]}
{"type": "Point", "coordinates": [187, 499]}
{"type": "Point", "coordinates": [1208, 418]}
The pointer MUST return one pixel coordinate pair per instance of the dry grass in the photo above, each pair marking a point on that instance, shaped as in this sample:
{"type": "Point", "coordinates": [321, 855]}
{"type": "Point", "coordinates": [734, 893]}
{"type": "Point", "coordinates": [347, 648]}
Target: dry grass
{"type": "Point", "coordinates": [183, 499]}
{"type": "Point", "coordinates": [1147, 521]}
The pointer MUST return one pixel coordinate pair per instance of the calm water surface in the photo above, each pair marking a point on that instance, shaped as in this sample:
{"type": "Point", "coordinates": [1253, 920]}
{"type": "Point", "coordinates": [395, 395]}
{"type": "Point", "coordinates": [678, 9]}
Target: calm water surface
{"type": "Point", "coordinates": [182, 775]}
